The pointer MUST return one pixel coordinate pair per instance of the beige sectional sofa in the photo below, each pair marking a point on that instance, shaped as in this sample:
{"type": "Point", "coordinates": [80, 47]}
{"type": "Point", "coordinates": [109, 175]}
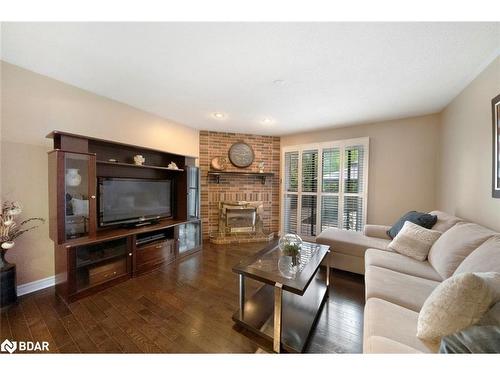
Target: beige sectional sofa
{"type": "Point", "coordinates": [397, 286]}
{"type": "Point", "coordinates": [348, 248]}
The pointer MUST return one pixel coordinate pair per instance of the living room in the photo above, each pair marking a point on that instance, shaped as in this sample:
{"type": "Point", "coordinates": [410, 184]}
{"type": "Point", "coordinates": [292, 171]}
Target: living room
{"type": "Point", "coordinates": [250, 187]}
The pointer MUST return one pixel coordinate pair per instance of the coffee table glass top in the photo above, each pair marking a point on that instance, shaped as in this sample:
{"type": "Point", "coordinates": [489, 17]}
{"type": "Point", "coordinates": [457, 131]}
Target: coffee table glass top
{"type": "Point", "coordinates": [270, 267]}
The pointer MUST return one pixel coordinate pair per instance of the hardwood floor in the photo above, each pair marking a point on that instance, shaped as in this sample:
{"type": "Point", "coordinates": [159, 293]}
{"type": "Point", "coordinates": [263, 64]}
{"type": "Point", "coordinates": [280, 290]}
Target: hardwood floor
{"type": "Point", "coordinates": [184, 307]}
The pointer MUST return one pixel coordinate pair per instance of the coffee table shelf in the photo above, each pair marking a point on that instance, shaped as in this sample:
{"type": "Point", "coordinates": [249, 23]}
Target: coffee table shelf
{"type": "Point", "coordinates": [299, 314]}
{"type": "Point", "coordinates": [285, 310]}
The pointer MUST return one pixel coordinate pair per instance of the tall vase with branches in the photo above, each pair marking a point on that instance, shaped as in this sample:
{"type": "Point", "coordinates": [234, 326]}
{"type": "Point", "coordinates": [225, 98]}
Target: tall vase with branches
{"type": "Point", "coordinates": [11, 230]}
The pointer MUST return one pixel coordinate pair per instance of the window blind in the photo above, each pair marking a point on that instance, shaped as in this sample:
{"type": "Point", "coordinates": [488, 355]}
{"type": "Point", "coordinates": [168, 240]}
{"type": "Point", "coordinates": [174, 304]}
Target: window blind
{"type": "Point", "coordinates": [329, 212]}
{"type": "Point", "coordinates": [290, 213]}
{"type": "Point", "coordinates": [325, 187]}
{"type": "Point", "coordinates": [291, 179]}
{"type": "Point", "coordinates": [331, 170]}
{"type": "Point", "coordinates": [308, 213]}
{"type": "Point", "coordinates": [310, 171]}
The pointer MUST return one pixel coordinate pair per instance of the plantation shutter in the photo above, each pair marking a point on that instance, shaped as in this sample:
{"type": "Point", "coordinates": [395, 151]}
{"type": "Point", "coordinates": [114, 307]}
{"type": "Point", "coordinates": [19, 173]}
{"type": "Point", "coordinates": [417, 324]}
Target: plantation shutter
{"type": "Point", "coordinates": [353, 215]}
{"type": "Point", "coordinates": [325, 186]}
{"type": "Point", "coordinates": [309, 191]}
{"type": "Point", "coordinates": [291, 184]}
{"type": "Point", "coordinates": [330, 188]}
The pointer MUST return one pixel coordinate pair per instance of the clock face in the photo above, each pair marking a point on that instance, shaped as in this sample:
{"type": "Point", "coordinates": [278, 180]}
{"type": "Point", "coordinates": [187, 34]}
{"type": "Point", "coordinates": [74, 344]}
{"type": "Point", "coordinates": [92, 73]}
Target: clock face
{"type": "Point", "coordinates": [241, 155]}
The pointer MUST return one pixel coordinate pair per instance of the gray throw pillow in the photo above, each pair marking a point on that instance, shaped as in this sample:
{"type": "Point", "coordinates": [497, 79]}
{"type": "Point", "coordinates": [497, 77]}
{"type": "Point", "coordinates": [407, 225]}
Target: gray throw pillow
{"type": "Point", "coordinates": [420, 218]}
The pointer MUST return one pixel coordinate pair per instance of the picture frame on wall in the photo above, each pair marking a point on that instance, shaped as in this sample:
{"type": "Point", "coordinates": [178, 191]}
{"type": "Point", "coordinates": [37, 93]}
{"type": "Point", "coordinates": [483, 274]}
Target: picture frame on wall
{"type": "Point", "coordinates": [495, 109]}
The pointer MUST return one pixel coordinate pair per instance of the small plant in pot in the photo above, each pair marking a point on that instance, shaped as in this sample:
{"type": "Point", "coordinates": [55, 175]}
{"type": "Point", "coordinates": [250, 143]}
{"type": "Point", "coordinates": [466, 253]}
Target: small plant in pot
{"type": "Point", "coordinates": [290, 246]}
{"type": "Point", "coordinates": [10, 230]}
{"type": "Point", "coordinates": [292, 250]}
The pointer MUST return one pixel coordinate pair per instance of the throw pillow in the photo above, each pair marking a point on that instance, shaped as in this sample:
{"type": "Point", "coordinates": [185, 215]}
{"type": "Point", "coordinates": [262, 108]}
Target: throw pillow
{"type": "Point", "coordinates": [455, 304]}
{"type": "Point", "coordinates": [419, 218]}
{"type": "Point", "coordinates": [414, 241]}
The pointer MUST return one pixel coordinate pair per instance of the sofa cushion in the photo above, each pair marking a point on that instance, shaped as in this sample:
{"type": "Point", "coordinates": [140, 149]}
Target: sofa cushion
{"type": "Point", "coordinates": [401, 263]}
{"type": "Point", "coordinates": [414, 241]}
{"type": "Point", "coordinates": [347, 262]}
{"type": "Point", "coordinates": [385, 319]}
{"type": "Point", "coordinates": [419, 218]}
{"type": "Point", "coordinates": [455, 304]}
{"type": "Point", "coordinates": [383, 345]}
{"type": "Point", "coordinates": [444, 221]}
{"type": "Point", "coordinates": [378, 231]}
{"type": "Point", "coordinates": [350, 242]}
{"type": "Point", "coordinates": [404, 290]}
{"type": "Point", "coordinates": [484, 259]}
{"type": "Point", "coordinates": [455, 245]}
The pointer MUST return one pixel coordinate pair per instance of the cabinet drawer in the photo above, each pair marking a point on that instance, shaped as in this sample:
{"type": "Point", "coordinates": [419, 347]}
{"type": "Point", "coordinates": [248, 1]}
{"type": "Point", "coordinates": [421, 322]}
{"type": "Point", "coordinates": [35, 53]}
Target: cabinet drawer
{"type": "Point", "coordinates": [107, 271]}
{"type": "Point", "coordinates": [150, 256]}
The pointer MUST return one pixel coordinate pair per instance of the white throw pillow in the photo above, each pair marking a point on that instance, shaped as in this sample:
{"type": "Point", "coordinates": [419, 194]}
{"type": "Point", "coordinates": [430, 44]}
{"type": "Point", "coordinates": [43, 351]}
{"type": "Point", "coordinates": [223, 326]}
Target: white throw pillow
{"type": "Point", "coordinates": [455, 304]}
{"type": "Point", "coordinates": [414, 241]}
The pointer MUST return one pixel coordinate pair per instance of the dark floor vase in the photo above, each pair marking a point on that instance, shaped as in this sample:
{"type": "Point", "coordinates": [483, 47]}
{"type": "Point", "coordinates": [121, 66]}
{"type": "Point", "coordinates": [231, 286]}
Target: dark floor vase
{"type": "Point", "coordinates": [8, 294]}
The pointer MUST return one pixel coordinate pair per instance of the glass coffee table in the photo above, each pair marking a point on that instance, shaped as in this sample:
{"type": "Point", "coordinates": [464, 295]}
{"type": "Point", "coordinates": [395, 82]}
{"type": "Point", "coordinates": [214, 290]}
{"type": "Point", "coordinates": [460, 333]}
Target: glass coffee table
{"type": "Point", "coordinates": [285, 309]}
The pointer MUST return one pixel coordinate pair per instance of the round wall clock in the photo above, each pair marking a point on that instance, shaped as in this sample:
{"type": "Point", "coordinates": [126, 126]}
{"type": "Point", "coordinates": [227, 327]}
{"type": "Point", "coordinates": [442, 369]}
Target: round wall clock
{"type": "Point", "coordinates": [241, 155]}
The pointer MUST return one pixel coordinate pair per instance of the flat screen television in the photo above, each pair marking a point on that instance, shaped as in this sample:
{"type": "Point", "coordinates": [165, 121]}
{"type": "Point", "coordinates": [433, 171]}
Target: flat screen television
{"type": "Point", "coordinates": [133, 201]}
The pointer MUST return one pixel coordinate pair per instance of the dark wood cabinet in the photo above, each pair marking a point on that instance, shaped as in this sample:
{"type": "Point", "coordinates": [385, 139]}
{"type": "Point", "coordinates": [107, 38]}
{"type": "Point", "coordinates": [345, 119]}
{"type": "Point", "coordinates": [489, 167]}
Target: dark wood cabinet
{"type": "Point", "coordinates": [149, 257]}
{"type": "Point", "coordinates": [89, 258]}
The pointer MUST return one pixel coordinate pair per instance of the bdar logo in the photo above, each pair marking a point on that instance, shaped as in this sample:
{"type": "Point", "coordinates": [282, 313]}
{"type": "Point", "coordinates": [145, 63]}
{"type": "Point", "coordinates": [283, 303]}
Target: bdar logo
{"type": "Point", "coordinates": [8, 346]}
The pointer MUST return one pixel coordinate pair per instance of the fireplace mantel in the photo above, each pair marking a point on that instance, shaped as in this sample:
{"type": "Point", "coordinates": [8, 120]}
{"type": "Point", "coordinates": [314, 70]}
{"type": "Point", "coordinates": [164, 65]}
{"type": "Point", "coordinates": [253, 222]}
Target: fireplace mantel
{"type": "Point", "coordinates": [218, 174]}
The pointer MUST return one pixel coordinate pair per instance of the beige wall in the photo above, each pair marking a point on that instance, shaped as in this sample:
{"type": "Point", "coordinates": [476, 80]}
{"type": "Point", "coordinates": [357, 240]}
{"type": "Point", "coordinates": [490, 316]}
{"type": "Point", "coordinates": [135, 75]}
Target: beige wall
{"type": "Point", "coordinates": [465, 168]}
{"type": "Point", "coordinates": [33, 105]}
{"type": "Point", "coordinates": [403, 158]}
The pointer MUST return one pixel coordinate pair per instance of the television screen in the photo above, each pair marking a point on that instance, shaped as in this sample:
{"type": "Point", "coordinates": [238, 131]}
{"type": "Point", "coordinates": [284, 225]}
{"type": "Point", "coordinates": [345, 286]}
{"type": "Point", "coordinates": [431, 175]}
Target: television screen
{"type": "Point", "coordinates": [133, 200]}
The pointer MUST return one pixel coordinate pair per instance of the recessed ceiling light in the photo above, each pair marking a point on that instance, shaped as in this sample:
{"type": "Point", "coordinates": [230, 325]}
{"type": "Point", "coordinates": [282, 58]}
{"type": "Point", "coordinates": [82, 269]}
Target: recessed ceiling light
{"type": "Point", "coordinates": [218, 115]}
{"type": "Point", "coordinates": [267, 121]}
{"type": "Point", "coordinates": [279, 82]}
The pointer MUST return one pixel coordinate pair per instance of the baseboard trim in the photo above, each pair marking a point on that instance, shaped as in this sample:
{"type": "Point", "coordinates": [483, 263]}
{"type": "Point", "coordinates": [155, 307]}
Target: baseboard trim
{"type": "Point", "coordinates": [35, 285]}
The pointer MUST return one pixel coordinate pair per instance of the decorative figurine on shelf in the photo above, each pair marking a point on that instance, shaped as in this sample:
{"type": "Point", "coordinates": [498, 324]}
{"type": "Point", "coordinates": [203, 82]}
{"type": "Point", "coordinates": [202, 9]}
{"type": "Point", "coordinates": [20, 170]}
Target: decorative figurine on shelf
{"type": "Point", "coordinates": [139, 160]}
{"type": "Point", "coordinates": [172, 165]}
{"type": "Point", "coordinates": [73, 177]}
{"type": "Point", "coordinates": [219, 163]}
{"type": "Point", "coordinates": [9, 231]}
{"type": "Point", "coordinates": [290, 246]}
{"type": "Point", "coordinates": [261, 167]}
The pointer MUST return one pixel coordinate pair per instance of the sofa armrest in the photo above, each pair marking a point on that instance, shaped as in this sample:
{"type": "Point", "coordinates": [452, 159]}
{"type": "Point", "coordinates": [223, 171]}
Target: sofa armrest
{"type": "Point", "coordinates": [379, 231]}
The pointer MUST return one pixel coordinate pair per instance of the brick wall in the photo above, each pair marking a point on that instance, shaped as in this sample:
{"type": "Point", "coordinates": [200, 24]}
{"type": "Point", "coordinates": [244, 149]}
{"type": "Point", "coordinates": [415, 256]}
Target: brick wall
{"type": "Point", "coordinates": [239, 188]}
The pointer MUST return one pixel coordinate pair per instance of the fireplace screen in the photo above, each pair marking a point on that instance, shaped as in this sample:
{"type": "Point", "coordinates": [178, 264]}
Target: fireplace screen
{"type": "Point", "coordinates": [240, 217]}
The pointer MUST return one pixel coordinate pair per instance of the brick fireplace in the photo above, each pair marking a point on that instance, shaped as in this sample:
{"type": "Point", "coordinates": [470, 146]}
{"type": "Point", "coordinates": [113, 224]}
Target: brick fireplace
{"type": "Point", "coordinates": [243, 202]}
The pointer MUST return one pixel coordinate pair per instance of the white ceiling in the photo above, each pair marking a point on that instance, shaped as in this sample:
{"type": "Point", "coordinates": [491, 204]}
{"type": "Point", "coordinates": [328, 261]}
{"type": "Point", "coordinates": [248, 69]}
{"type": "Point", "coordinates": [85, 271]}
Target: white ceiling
{"type": "Point", "coordinates": [333, 74]}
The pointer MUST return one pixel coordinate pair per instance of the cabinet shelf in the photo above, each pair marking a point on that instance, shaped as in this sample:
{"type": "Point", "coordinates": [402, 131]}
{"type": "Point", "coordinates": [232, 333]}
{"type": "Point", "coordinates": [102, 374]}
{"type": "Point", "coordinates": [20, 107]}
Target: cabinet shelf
{"type": "Point", "coordinates": [217, 175]}
{"type": "Point", "coordinates": [119, 164]}
{"type": "Point", "coordinates": [95, 262]}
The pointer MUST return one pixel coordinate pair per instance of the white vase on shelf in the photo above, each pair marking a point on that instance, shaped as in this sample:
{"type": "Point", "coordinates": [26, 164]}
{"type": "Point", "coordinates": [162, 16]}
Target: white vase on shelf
{"type": "Point", "coordinates": [73, 177]}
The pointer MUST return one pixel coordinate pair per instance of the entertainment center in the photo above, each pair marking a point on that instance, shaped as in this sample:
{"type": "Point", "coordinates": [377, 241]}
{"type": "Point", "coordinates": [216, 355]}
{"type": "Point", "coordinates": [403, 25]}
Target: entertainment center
{"type": "Point", "coordinates": [117, 211]}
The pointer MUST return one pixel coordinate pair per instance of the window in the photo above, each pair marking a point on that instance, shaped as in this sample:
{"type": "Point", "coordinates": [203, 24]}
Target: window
{"type": "Point", "coordinates": [324, 186]}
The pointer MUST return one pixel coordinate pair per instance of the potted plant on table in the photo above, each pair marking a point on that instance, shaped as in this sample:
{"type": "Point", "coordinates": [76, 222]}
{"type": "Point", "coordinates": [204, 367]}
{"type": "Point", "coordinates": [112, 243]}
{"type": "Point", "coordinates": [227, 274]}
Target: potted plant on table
{"type": "Point", "coordinates": [9, 231]}
{"type": "Point", "coordinates": [290, 246]}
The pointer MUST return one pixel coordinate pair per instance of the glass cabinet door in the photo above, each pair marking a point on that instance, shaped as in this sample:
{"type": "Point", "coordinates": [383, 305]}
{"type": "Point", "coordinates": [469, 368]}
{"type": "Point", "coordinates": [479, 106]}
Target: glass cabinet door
{"type": "Point", "coordinates": [189, 236]}
{"type": "Point", "coordinates": [193, 193]}
{"type": "Point", "coordinates": [79, 195]}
